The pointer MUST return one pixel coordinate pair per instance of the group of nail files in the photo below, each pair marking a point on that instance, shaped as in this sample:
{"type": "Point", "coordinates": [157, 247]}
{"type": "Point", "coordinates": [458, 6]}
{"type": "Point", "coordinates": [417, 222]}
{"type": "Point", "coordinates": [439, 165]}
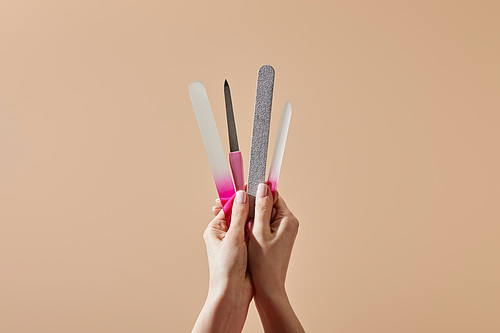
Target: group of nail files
{"type": "Point", "coordinates": [259, 146]}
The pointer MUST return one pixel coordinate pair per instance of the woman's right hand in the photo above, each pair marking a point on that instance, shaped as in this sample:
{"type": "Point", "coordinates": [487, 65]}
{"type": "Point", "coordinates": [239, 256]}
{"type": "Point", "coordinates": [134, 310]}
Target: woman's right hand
{"type": "Point", "coordinates": [270, 243]}
{"type": "Point", "coordinates": [269, 249]}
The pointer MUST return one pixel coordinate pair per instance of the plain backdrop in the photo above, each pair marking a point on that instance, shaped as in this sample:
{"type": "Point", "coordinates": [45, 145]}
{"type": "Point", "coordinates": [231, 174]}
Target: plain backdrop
{"type": "Point", "coordinates": [391, 165]}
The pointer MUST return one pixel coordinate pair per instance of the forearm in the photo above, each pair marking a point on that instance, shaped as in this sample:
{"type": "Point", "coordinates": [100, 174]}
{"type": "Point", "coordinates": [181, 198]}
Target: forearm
{"type": "Point", "coordinates": [276, 313]}
{"type": "Point", "coordinates": [222, 312]}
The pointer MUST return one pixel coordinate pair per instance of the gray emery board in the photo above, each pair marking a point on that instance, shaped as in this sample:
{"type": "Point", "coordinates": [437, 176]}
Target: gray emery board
{"type": "Point", "coordinates": [260, 133]}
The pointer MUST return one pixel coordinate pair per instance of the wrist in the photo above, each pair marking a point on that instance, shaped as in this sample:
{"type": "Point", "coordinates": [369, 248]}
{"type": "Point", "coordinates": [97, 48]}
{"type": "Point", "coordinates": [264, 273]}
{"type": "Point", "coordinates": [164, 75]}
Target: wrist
{"type": "Point", "coordinates": [223, 311]}
{"type": "Point", "coordinates": [271, 297]}
{"type": "Point", "coordinates": [270, 290]}
{"type": "Point", "coordinates": [227, 296]}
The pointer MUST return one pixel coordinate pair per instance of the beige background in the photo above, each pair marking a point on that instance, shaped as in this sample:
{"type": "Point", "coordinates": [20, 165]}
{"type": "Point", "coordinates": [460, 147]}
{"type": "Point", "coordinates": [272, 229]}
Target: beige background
{"type": "Point", "coordinates": [392, 162]}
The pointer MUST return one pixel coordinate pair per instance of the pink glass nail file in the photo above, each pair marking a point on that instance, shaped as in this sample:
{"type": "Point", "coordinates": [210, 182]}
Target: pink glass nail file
{"type": "Point", "coordinates": [235, 158]}
{"type": "Point", "coordinates": [260, 133]}
{"type": "Point", "coordinates": [213, 146]}
{"type": "Point", "coordinates": [279, 146]}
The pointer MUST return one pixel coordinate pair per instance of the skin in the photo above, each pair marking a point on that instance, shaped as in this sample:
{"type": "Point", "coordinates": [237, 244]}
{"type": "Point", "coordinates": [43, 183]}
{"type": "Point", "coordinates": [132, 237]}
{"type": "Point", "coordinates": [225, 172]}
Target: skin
{"type": "Point", "coordinates": [249, 262]}
{"type": "Point", "coordinates": [230, 289]}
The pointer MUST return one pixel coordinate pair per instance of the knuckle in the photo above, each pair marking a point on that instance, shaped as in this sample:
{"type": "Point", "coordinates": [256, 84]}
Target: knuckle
{"type": "Point", "coordinates": [261, 207]}
{"type": "Point", "coordinates": [238, 210]}
{"type": "Point", "coordinates": [206, 233]}
{"type": "Point", "coordinates": [294, 223]}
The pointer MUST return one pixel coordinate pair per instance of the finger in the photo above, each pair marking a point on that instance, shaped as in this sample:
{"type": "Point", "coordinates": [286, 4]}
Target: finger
{"type": "Point", "coordinates": [288, 228]}
{"type": "Point", "coordinates": [216, 229]}
{"type": "Point", "coordinates": [216, 210]}
{"type": "Point", "coordinates": [273, 214]}
{"type": "Point", "coordinates": [280, 204]}
{"type": "Point", "coordinates": [220, 216]}
{"type": "Point", "coordinates": [274, 192]}
{"type": "Point", "coordinates": [248, 229]}
{"type": "Point", "coordinates": [288, 220]}
{"type": "Point", "coordinates": [263, 209]}
{"type": "Point", "coordinates": [239, 216]}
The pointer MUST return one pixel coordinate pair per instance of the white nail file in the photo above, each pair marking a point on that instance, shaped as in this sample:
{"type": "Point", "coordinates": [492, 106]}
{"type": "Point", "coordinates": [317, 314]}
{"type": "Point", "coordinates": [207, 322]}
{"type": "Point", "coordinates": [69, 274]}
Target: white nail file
{"type": "Point", "coordinates": [211, 140]}
{"type": "Point", "coordinates": [260, 133]}
{"type": "Point", "coordinates": [279, 146]}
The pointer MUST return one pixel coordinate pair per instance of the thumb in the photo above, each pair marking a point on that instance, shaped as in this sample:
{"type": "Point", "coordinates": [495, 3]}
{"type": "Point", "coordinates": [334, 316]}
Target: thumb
{"type": "Point", "coordinates": [239, 216]}
{"type": "Point", "coordinates": [263, 210]}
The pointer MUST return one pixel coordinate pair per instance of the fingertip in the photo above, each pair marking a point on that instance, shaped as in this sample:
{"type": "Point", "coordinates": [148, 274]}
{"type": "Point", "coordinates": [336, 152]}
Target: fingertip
{"type": "Point", "coordinates": [241, 197]}
{"type": "Point", "coordinates": [263, 209]}
{"type": "Point", "coordinates": [264, 196]}
{"type": "Point", "coordinates": [263, 191]}
{"type": "Point", "coordinates": [239, 212]}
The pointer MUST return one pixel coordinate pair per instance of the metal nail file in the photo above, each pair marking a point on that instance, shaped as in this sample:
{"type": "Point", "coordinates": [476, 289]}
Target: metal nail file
{"type": "Point", "coordinates": [213, 146]}
{"type": "Point", "coordinates": [235, 158]}
{"type": "Point", "coordinates": [279, 146]}
{"type": "Point", "coordinates": [260, 133]}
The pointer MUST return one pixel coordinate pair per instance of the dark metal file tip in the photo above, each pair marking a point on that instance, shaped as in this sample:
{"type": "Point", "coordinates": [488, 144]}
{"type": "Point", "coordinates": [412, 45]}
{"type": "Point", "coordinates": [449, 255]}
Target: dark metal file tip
{"type": "Point", "coordinates": [231, 126]}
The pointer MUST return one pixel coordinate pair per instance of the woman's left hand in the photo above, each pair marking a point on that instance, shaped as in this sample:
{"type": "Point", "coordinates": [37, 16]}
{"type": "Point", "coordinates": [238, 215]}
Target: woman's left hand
{"type": "Point", "coordinates": [230, 289]}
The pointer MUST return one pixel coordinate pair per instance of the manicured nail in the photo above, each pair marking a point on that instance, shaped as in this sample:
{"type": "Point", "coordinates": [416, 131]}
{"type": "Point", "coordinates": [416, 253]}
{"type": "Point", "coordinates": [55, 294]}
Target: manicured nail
{"type": "Point", "coordinates": [262, 190]}
{"type": "Point", "coordinates": [241, 197]}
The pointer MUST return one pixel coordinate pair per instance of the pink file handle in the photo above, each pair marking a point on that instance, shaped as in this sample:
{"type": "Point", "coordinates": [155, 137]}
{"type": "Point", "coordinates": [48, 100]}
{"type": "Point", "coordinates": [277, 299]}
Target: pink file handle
{"type": "Point", "coordinates": [227, 207]}
{"type": "Point", "coordinates": [236, 161]}
{"type": "Point", "coordinates": [226, 194]}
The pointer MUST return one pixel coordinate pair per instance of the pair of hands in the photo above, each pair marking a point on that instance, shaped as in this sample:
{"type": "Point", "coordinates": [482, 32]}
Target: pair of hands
{"type": "Point", "coordinates": [249, 260]}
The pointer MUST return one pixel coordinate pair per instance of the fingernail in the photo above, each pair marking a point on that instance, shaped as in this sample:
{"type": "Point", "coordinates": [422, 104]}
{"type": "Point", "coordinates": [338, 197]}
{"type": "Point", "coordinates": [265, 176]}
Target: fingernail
{"type": "Point", "coordinates": [241, 197]}
{"type": "Point", "coordinates": [261, 190]}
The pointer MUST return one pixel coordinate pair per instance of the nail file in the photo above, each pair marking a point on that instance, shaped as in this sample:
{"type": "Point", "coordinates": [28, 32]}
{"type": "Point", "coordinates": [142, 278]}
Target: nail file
{"type": "Point", "coordinates": [213, 146]}
{"type": "Point", "coordinates": [279, 146]}
{"type": "Point", "coordinates": [260, 133]}
{"type": "Point", "coordinates": [235, 157]}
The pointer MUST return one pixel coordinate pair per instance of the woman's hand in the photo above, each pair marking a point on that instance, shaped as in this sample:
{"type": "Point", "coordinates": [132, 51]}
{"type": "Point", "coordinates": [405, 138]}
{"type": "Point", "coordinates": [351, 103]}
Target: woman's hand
{"type": "Point", "coordinates": [269, 249]}
{"type": "Point", "coordinates": [271, 242]}
{"type": "Point", "coordinates": [230, 289]}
